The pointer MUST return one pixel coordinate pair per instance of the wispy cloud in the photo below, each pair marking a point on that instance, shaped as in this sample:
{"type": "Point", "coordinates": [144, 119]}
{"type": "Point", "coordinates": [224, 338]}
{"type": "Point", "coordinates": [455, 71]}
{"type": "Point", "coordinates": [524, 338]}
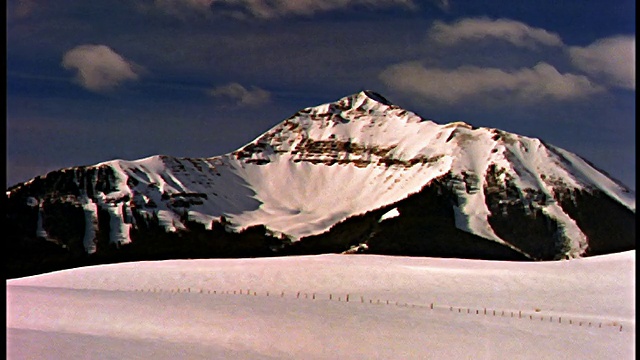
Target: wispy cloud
{"type": "Point", "coordinates": [610, 59]}
{"type": "Point", "coordinates": [443, 4]}
{"type": "Point", "coordinates": [98, 68]}
{"type": "Point", "coordinates": [267, 9]}
{"type": "Point", "coordinates": [523, 86]}
{"type": "Point", "coordinates": [24, 8]}
{"type": "Point", "coordinates": [179, 8]}
{"type": "Point", "coordinates": [240, 95]}
{"type": "Point", "coordinates": [474, 29]}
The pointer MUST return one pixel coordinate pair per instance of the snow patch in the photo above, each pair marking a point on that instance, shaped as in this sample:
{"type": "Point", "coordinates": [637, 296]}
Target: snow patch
{"type": "Point", "coordinates": [574, 239]}
{"type": "Point", "coordinates": [119, 230]}
{"type": "Point", "coordinates": [389, 215]}
{"type": "Point", "coordinates": [90, 224]}
{"type": "Point", "coordinates": [40, 231]}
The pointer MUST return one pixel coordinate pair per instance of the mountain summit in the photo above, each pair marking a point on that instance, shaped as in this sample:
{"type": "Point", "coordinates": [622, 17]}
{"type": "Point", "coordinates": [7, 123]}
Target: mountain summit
{"type": "Point", "coordinates": [359, 174]}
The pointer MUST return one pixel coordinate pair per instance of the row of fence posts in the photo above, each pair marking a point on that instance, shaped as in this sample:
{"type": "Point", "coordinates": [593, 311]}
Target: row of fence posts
{"type": "Point", "coordinates": [347, 298]}
{"type": "Point", "coordinates": [530, 316]}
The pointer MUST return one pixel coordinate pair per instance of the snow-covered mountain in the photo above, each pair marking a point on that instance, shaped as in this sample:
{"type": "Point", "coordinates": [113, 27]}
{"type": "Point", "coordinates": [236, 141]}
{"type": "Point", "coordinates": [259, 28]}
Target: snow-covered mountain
{"type": "Point", "coordinates": [359, 173]}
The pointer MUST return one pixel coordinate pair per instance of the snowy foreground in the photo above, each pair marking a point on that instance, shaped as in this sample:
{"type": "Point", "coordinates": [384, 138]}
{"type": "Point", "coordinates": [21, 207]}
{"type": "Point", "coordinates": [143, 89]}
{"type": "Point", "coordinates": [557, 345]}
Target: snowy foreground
{"type": "Point", "coordinates": [328, 307]}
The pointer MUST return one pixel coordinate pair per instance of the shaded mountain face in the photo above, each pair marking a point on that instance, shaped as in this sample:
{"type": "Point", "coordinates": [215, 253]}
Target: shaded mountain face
{"type": "Point", "coordinates": [357, 175]}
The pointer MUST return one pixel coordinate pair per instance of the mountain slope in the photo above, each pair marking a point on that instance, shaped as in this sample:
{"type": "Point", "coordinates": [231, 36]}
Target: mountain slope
{"type": "Point", "coordinates": [337, 164]}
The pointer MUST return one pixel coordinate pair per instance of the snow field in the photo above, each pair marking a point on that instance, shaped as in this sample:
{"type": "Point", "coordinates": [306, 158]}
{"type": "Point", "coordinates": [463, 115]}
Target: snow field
{"type": "Point", "coordinates": [320, 196]}
{"type": "Point", "coordinates": [187, 308]}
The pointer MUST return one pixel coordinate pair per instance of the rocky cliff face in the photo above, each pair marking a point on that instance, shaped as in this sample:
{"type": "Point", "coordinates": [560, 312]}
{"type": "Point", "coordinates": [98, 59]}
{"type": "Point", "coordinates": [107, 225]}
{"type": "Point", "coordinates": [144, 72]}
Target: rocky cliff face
{"type": "Point", "coordinates": [325, 180]}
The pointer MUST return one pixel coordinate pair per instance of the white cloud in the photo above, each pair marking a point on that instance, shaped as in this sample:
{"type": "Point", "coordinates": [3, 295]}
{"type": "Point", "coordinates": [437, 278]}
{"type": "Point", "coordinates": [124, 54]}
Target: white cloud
{"type": "Point", "coordinates": [611, 59]}
{"type": "Point", "coordinates": [98, 68]}
{"type": "Point", "coordinates": [524, 86]}
{"type": "Point", "coordinates": [608, 61]}
{"type": "Point", "coordinates": [268, 9]}
{"type": "Point", "coordinates": [241, 95]}
{"type": "Point", "coordinates": [474, 29]}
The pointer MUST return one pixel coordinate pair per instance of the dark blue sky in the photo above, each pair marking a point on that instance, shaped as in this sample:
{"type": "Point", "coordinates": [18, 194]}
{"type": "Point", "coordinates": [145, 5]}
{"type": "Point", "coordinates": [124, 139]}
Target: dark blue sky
{"type": "Point", "coordinates": [93, 81]}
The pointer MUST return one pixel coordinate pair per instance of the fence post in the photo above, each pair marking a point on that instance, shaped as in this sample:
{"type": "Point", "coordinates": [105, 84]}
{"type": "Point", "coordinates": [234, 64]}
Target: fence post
{"type": "Point", "coordinates": [431, 306]}
{"type": "Point", "coordinates": [347, 298]}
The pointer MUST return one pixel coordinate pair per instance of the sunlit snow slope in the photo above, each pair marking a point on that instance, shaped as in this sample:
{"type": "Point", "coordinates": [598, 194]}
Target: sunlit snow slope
{"type": "Point", "coordinates": [330, 162]}
{"type": "Point", "coordinates": [328, 307]}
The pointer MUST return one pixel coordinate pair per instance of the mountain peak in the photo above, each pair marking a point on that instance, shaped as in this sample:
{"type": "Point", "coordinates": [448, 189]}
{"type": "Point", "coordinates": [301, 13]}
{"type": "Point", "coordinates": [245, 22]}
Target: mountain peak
{"type": "Point", "coordinates": [365, 120]}
{"type": "Point", "coordinates": [375, 96]}
{"type": "Point", "coordinates": [365, 100]}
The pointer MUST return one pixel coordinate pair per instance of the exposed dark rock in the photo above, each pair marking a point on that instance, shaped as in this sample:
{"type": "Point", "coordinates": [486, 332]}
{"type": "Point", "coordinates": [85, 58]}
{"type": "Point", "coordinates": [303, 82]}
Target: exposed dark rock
{"type": "Point", "coordinates": [425, 227]}
{"type": "Point", "coordinates": [615, 229]}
